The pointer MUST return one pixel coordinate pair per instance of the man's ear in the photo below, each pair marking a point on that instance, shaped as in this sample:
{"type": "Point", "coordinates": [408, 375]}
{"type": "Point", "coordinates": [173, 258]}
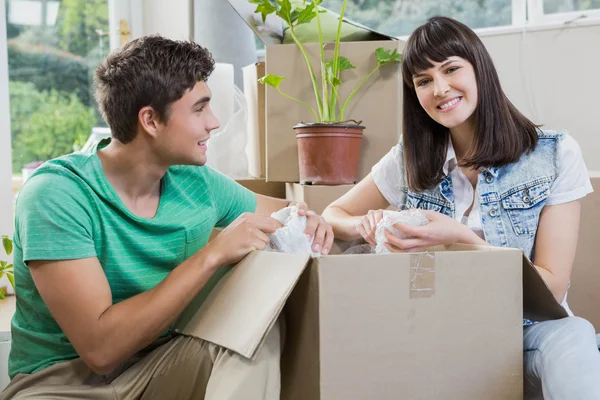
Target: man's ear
{"type": "Point", "coordinates": [148, 120]}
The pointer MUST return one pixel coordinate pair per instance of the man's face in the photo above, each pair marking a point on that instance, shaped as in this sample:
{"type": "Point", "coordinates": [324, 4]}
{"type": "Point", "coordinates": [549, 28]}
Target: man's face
{"type": "Point", "coordinates": [183, 138]}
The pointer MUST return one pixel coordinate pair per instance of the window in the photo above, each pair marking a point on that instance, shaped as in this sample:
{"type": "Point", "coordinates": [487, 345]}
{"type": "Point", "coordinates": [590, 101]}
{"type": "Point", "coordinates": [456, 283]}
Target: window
{"type": "Point", "coordinates": [401, 17]}
{"type": "Point", "coordinates": [540, 11]}
{"type": "Point", "coordinates": [53, 50]}
{"type": "Point", "coordinates": [562, 6]}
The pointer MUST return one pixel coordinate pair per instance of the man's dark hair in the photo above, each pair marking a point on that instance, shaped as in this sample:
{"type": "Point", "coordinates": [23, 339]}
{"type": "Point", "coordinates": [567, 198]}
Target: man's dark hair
{"type": "Point", "coordinates": [149, 71]}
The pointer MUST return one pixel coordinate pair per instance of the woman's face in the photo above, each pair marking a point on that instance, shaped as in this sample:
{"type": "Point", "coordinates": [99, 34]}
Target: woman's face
{"type": "Point", "coordinates": [448, 92]}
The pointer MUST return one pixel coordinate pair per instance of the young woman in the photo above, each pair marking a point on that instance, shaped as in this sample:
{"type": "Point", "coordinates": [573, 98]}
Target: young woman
{"type": "Point", "coordinates": [483, 174]}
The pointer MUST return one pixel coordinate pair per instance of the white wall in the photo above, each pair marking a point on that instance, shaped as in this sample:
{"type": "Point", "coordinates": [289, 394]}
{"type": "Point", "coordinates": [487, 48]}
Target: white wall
{"type": "Point", "coordinates": [553, 77]}
{"type": "Point", "coordinates": [218, 27]}
{"type": "Point", "coordinates": [6, 204]}
{"type": "Point", "coordinates": [172, 19]}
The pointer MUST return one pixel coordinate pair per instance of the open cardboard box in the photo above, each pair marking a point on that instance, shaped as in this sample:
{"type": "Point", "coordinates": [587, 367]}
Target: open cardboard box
{"type": "Point", "coordinates": [440, 325]}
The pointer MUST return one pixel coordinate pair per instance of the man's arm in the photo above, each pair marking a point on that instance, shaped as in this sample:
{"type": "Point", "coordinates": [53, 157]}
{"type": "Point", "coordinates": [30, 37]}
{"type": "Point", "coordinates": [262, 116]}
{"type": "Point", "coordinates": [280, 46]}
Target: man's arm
{"type": "Point", "coordinates": [104, 335]}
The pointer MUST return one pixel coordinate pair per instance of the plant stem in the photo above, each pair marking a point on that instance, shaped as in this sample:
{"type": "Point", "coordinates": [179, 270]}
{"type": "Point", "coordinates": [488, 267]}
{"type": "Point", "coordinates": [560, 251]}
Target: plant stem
{"type": "Point", "coordinates": [301, 102]}
{"type": "Point", "coordinates": [339, 101]}
{"type": "Point", "coordinates": [324, 89]}
{"type": "Point", "coordinates": [366, 78]}
{"type": "Point", "coordinates": [312, 74]}
{"type": "Point", "coordinates": [336, 52]}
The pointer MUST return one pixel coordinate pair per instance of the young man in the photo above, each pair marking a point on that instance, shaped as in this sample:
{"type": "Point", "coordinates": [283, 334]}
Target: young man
{"type": "Point", "coordinates": [112, 245]}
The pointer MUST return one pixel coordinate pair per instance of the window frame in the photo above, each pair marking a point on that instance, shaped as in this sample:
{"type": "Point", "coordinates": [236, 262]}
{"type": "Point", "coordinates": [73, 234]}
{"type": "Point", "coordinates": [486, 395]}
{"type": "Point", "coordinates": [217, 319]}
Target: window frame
{"type": "Point", "coordinates": [535, 11]}
{"type": "Point", "coordinates": [6, 198]}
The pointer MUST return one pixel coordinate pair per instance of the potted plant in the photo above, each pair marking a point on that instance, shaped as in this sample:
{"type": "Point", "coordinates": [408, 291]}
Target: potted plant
{"type": "Point", "coordinates": [5, 267]}
{"type": "Point", "coordinates": [329, 148]}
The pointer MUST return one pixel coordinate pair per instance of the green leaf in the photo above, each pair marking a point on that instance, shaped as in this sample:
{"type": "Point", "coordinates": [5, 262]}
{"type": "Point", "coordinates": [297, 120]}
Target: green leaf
{"type": "Point", "coordinates": [308, 14]}
{"type": "Point", "coordinates": [11, 278]}
{"type": "Point", "coordinates": [7, 243]}
{"type": "Point", "coordinates": [264, 7]}
{"type": "Point", "coordinates": [285, 10]}
{"type": "Point", "coordinates": [344, 64]}
{"type": "Point", "coordinates": [294, 15]}
{"type": "Point", "coordinates": [2, 265]}
{"type": "Point", "coordinates": [272, 80]}
{"type": "Point", "coordinates": [387, 56]}
{"type": "Point", "coordinates": [1, 295]}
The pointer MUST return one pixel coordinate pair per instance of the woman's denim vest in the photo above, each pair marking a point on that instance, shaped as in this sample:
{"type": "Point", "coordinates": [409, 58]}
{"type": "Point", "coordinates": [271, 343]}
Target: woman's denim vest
{"type": "Point", "coordinates": [510, 197]}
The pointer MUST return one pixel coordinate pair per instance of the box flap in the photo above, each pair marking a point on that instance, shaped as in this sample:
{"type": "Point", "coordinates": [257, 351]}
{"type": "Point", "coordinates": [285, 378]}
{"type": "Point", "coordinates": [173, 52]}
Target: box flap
{"type": "Point", "coordinates": [271, 31]}
{"type": "Point", "coordinates": [539, 304]}
{"type": "Point", "coordinates": [245, 304]}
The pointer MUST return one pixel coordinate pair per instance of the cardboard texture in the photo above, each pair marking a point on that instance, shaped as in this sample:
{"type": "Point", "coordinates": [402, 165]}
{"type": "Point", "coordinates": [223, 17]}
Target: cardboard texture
{"type": "Point", "coordinates": [317, 197]}
{"type": "Point", "coordinates": [383, 88]}
{"type": "Point", "coordinates": [445, 324]}
{"type": "Point", "coordinates": [260, 186]}
{"type": "Point", "coordinates": [254, 93]}
{"type": "Point", "coordinates": [584, 293]}
{"type": "Point", "coordinates": [227, 316]}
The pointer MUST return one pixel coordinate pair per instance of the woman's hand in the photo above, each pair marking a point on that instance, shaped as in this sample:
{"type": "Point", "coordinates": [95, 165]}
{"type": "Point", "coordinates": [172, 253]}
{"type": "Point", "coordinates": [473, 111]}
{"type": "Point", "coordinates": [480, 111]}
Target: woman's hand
{"type": "Point", "coordinates": [367, 226]}
{"type": "Point", "coordinates": [441, 230]}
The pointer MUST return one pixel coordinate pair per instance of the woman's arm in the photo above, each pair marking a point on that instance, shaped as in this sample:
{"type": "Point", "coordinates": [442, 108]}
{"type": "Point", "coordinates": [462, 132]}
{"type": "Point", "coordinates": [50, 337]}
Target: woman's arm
{"type": "Point", "coordinates": [345, 214]}
{"type": "Point", "coordinates": [555, 245]}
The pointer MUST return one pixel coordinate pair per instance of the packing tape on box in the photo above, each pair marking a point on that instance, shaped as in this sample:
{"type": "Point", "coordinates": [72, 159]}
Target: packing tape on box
{"type": "Point", "coordinates": [422, 275]}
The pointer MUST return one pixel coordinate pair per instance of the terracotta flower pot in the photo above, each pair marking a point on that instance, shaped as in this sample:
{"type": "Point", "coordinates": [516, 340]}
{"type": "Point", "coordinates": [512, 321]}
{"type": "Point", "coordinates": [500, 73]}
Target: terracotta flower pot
{"type": "Point", "coordinates": [328, 154]}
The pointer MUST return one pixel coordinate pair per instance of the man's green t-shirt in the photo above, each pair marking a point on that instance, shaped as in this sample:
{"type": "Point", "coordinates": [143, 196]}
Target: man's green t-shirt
{"type": "Point", "coordinates": [69, 210]}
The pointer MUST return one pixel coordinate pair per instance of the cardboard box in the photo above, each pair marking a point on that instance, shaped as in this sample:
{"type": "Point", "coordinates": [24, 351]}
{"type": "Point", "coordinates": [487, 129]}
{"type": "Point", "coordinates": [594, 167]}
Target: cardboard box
{"type": "Point", "coordinates": [317, 197]}
{"type": "Point", "coordinates": [584, 293]}
{"type": "Point", "coordinates": [440, 325]}
{"type": "Point", "coordinates": [254, 93]}
{"type": "Point", "coordinates": [382, 123]}
{"type": "Point", "coordinates": [260, 186]}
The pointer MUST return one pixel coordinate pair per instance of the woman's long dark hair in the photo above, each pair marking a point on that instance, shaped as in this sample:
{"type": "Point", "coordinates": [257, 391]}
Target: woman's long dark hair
{"type": "Point", "coordinates": [502, 133]}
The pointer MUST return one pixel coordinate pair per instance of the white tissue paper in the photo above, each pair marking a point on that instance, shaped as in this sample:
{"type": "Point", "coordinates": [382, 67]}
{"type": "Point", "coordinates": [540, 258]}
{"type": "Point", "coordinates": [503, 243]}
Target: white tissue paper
{"type": "Point", "coordinates": [413, 217]}
{"type": "Point", "coordinates": [291, 237]}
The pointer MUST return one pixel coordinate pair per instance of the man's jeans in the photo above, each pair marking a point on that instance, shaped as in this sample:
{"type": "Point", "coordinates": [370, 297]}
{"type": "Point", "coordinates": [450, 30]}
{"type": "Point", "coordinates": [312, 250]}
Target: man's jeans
{"type": "Point", "coordinates": [561, 360]}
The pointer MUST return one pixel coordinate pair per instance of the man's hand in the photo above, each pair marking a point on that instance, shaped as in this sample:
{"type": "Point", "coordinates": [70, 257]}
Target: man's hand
{"type": "Point", "coordinates": [248, 232]}
{"type": "Point", "coordinates": [316, 227]}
